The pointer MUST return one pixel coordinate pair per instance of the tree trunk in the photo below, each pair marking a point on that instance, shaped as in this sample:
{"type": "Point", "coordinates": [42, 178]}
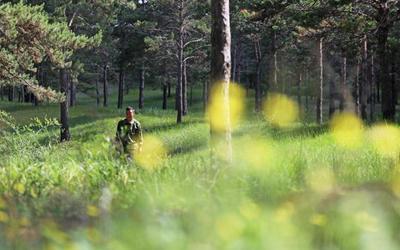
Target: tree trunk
{"type": "Point", "coordinates": [169, 88]}
{"type": "Point", "coordinates": [72, 92]}
{"type": "Point", "coordinates": [393, 74]}
{"type": "Point", "coordinates": [180, 86]}
{"type": "Point", "coordinates": [105, 86]}
{"type": "Point", "coordinates": [299, 83]}
{"type": "Point", "coordinates": [275, 62]}
{"type": "Point", "coordinates": [120, 88]}
{"type": "Point", "coordinates": [239, 62]}
{"type": "Point", "coordinates": [372, 86]}
{"type": "Point", "coordinates": [332, 90]}
{"type": "Point", "coordinates": [257, 87]}
{"type": "Point", "coordinates": [343, 80]}
{"type": "Point", "coordinates": [364, 83]}
{"type": "Point", "coordinates": [185, 89]}
{"type": "Point", "coordinates": [320, 99]}
{"type": "Point", "coordinates": [205, 95]}
{"type": "Point", "coordinates": [141, 87]}
{"type": "Point", "coordinates": [65, 135]}
{"type": "Point", "coordinates": [2, 93]}
{"type": "Point", "coordinates": [221, 69]}
{"type": "Point", "coordinates": [97, 93]}
{"type": "Point", "coordinates": [234, 62]}
{"type": "Point", "coordinates": [165, 94]}
{"type": "Point", "coordinates": [388, 106]}
{"type": "Point", "coordinates": [357, 87]}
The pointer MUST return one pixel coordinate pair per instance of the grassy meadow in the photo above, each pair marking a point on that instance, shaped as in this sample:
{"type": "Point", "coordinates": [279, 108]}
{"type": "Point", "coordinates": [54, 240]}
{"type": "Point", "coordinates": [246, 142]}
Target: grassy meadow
{"type": "Point", "coordinates": [296, 187]}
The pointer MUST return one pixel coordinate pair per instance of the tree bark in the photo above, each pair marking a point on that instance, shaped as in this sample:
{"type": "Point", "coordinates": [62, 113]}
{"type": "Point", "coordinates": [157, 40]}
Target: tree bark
{"type": "Point", "coordinates": [372, 86]}
{"type": "Point", "coordinates": [120, 88]}
{"type": "Point", "coordinates": [185, 89]}
{"type": "Point", "coordinates": [388, 106]}
{"type": "Point", "coordinates": [180, 86]}
{"type": "Point", "coordinates": [343, 80]}
{"type": "Point", "coordinates": [72, 92]}
{"type": "Point", "coordinates": [65, 134]}
{"type": "Point", "coordinates": [332, 89]}
{"type": "Point", "coordinates": [365, 82]}
{"type": "Point", "coordinates": [169, 88]}
{"type": "Point", "coordinates": [221, 69]}
{"type": "Point", "coordinates": [320, 99]}
{"type": "Point", "coordinates": [105, 86]}
{"type": "Point", "coordinates": [257, 86]}
{"type": "Point", "coordinates": [97, 93]}
{"type": "Point", "coordinates": [299, 84]}
{"type": "Point", "coordinates": [165, 95]}
{"type": "Point", "coordinates": [357, 88]}
{"type": "Point", "coordinates": [141, 87]}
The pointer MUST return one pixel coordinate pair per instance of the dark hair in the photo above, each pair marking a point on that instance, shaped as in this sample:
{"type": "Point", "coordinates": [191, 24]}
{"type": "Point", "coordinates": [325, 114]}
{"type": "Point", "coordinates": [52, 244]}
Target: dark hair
{"type": "Point", "coordinates": [130, 109]}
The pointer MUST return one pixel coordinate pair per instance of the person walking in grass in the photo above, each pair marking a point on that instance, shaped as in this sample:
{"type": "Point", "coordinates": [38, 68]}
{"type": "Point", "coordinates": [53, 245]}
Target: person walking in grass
{"type": "Point", "coordinates": [129, 133]}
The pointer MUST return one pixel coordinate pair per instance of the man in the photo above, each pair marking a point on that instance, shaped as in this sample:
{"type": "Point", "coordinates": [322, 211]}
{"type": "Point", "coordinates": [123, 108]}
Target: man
{"type": "Point", "coordinates": [129, 133]}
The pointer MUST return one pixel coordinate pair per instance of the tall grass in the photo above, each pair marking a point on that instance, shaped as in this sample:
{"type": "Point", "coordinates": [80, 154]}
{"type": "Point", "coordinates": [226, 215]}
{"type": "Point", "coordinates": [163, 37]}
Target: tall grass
{"type": "Point", "coordinates": [291, 188]}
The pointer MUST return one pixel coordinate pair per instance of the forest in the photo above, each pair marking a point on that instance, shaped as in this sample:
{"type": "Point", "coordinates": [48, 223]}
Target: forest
{"type": "Point", "coordinates": [267, 124]}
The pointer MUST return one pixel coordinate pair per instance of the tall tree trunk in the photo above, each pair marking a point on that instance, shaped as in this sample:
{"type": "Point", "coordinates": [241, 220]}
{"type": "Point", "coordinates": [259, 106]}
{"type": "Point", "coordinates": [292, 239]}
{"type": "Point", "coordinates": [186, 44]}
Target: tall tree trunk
{"type": "Point", "coordinates": [393, 74]}
{"type": "Point", "coordinates": [165, 95]}
{"type": "Point", "coordinates": [357, 87]}
{"type": "Point", "coordinates": [141, 87]}
{"type": "Point", "coordinates": [343, 80]}
{"type": "Point", "coordinates": [120, 88]}
{"type": "Point", "coordinates": [2, 93]}
{"type": "Point", "coordinates": [205, 95]}
{"type": "Point", "coordinates": [388, 106]}
{"type": "Point", "coordinates": [185, 89]}
{"type": "Point", "coordinates": [372, 86]}
{"type": "Point", "coordinates": [239, 62]}
{"type": "Point", "coordinates": [221, 68]}
{"type": "Point", "coordinates": [299, 84]}
{"type": "Point", "coordinates": [307, 83]}
{"type": "Point", "coordinates": [180, 86]}
{"type": "Point", "coordinates": [275, 62]}
{"type": "Point", "coordinates": [234, 62]}
{"type": "Point", "coordinates": [332, 92]}
{"type": "Point", "coordinates": [364, 83]}
{"type": "Point", "coordinates": [105, 86]}
{"type": "Point", "coordinates": [72, 94]}
{"type": "Point", "coordinates": [97, 93]}
{"type": "Point", "coordinates": [257, 86]}
{"type": "Point", "coordinates": [169, 88]}
{"type": "Point", "coordinates": [65, 134]}
{"type": "Point", "coordinates": [320, 99]}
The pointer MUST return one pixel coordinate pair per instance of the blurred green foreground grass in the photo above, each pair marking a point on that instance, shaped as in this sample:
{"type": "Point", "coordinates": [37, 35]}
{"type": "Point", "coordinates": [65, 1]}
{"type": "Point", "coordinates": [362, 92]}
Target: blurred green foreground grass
{"type": "Point", "coordinates": [292, 188]}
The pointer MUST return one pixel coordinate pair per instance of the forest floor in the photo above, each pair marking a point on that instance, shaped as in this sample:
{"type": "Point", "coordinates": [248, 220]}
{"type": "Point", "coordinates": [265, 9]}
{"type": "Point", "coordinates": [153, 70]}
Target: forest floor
{"type": "Point", "coordinates": [292, 188]}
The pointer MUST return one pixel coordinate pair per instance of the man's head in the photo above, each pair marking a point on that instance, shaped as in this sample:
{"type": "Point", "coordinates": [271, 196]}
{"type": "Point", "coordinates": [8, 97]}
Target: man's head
{"type": "Point", "coordinates": [130, 113]}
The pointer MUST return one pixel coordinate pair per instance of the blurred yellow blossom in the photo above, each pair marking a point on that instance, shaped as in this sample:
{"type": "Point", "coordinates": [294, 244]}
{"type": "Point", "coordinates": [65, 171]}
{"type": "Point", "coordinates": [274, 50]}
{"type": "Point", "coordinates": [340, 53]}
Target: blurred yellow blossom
{"type": "Point", "coordinates": [321, 180]}
{"type": "Point", "coordinates": [318, 219]}
{"type": "Point", "coordinates": [229, 227]}
{"type": "Point", "coordinates": [152, 154]}
{"type": "Point", "coordinates": [280, 110]}
{"type": "Point", "coordinates": [347, 130]}
{"type": "Point", "coordinates": [216, 109]}
{"type": "Point", "coordinates": [385, 138]}
{"type": "Point", "coordinates": [92, 211]}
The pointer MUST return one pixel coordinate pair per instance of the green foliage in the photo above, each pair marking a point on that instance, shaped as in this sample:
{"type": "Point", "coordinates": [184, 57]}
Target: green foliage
{"type": "Point", "coordinates": [27, 38]}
